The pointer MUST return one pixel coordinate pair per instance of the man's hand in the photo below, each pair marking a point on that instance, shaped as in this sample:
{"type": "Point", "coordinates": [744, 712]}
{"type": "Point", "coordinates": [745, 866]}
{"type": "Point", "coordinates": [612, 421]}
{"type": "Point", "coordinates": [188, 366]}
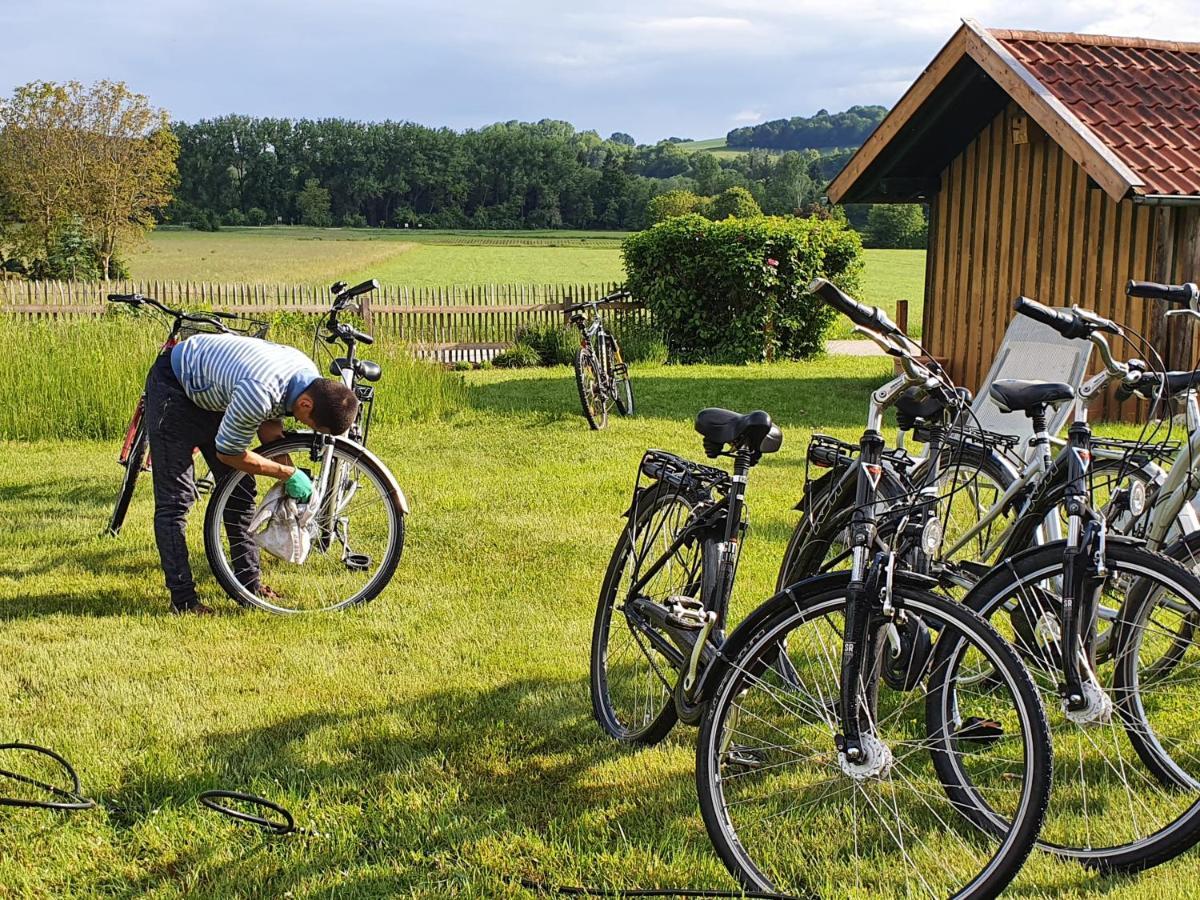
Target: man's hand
{"type": "Point", "coordinates": [299, 486]}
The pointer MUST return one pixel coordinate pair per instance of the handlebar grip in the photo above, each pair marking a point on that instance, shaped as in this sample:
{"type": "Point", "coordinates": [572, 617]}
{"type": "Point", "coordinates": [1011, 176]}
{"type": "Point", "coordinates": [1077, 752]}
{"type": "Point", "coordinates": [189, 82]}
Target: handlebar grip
{"type": "Point", "coordinates": [1073, 324]}
{"type": "Point", "coordinates": [871, 317]}
{"type": "Point", "coordinates": [362, 337]}
{"type": "Point", "coordinates": [125, 298]}
{"type": "Point", "coordinates": [365, 288]}
{"type": "Point", "coordinates": [1152, 290]}
{"type": "Point", "coordinates": [1147, 386]}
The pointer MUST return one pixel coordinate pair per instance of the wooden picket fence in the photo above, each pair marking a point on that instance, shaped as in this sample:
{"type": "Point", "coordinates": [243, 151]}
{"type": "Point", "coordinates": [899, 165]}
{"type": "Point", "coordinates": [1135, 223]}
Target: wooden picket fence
{"type": "Point", "coordinates": [471, 323]}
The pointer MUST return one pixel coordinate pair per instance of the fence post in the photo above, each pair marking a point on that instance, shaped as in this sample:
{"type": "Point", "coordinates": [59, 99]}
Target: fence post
{"type": "Point", "coordinates": [902, 315]}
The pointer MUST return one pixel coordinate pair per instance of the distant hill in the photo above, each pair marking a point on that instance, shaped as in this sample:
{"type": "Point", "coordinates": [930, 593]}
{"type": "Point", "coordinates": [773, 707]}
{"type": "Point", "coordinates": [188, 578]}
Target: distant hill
{"type": "Point", "coordinates": [823, 131]}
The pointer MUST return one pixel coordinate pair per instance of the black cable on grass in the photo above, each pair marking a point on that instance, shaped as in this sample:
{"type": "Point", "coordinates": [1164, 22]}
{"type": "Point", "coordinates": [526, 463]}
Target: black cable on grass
{"type": "Point", "coordinates": [575, 891]}
{"type": "Point", "coordinates": [284, 825]}
{"type": "Point", "coordinates": [69, 800]}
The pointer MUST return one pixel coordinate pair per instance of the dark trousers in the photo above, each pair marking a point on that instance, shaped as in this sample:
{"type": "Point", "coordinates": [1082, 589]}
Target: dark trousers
{"type": "Point", "coordinates": [176, 427]}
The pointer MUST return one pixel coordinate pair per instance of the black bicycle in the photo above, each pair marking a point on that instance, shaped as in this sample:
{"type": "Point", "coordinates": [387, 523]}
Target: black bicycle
{"type": "Point", "coordinates": [357, 531]}
{"type": "Point", "coordinates": [601, 374]}
{"type": "Point", "coordinates": [847, 741]}
{"type": "Point", "coordinates": [1102, 623]}
{"type": "Point", "coordinates": [135, 449]}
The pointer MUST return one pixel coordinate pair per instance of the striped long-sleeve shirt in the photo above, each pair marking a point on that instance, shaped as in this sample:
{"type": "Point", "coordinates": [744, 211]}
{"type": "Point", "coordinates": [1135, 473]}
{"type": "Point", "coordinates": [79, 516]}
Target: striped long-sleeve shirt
{"type": "Point", "coordinates": [248, 379]}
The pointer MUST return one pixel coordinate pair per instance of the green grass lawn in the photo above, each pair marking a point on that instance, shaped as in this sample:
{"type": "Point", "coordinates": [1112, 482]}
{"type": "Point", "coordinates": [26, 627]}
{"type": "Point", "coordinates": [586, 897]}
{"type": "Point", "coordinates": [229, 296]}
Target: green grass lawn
{"type": "Point", "coordinates": [440, 739]}
{"type": "Point", "coordinates": [442, 258]}
{"type": "Point", "coordinates": [416, 258]}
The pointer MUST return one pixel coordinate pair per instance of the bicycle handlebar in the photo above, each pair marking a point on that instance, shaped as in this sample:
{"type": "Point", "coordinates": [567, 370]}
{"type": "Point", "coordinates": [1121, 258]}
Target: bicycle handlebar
{"type": "Point", "coordinates": [209, 318]}
{"type": "Point", "coordinates": [1076, 323]}
{"type": "Point", "coordinates": [607, 298]}
{"type": "Point", "coordinates": [1170, 293]}
{"type": "Point", "coordinates": [870, 317]}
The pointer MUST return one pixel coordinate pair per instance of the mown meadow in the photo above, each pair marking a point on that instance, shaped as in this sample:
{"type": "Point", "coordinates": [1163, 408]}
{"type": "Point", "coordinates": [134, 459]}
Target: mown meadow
{"type": "Point", "coordinates": [439, 740]}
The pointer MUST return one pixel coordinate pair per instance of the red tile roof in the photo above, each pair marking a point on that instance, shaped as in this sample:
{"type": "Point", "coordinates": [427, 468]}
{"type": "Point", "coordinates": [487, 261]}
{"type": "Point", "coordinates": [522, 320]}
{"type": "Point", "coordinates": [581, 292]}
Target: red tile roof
{"type": "Point", "coordinates": [1140, 97]}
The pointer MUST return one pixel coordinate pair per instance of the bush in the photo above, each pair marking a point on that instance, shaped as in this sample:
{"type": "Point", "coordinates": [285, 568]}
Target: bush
{"type": "Point", "coordinates": [256, 216]}
{"type": "Point", "coordinates": [716, 296]}
{"type": "Point", "coordinates": [641, 341]}
{"type": "Point", "coordinates": [462, 366]}
{"type": "Point", "coordinates": [354, 220]}
{"type": "Point", "coordinates": [737, 202]}
{"type": "Point", "coordinates": [234, 218]}
{"type": "Point", "coordinates": [555, 344]}
{"type": "Point", "coordinates": [518, 356]}
{"type": "Point", "coordinates": [897, 225]}
{"type": "Point", "coordinates": [669, 204]}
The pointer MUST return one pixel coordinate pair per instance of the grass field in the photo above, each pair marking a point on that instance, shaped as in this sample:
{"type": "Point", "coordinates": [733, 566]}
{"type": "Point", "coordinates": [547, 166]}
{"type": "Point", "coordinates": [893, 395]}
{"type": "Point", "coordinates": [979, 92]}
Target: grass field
{"type": "Point", "coordinates": [433, 259]}
{"type": "Point", "coordinates": [397, 256]}
{"type": "Point", "coordinates": [716, 146]}
{"type": "Point", "coordinates": [440, 739]}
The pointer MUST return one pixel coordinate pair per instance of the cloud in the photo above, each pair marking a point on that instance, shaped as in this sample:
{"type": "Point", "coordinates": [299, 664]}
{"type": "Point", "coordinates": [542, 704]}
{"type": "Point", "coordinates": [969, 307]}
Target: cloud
{"type": "Point", "coordinates": [649, 67]}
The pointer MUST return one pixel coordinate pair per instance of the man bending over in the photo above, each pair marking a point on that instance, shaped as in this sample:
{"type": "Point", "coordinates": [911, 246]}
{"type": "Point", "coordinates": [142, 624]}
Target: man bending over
{"type": "Point", "coordinates": [216, 392]}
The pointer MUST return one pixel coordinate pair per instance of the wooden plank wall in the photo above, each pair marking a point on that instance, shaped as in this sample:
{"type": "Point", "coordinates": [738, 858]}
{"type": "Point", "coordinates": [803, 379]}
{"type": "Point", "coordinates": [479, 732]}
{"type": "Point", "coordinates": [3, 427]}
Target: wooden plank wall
{"type": "Point", "coordinates": [1015, 219]}
{"type": "Point", "coordinates": [470, 323]}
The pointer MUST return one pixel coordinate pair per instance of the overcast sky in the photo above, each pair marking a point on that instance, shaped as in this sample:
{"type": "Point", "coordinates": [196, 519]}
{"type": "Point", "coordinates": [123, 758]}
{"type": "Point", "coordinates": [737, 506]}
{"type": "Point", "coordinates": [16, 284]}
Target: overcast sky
{"type": "Point", "coordinates": [653, 68]}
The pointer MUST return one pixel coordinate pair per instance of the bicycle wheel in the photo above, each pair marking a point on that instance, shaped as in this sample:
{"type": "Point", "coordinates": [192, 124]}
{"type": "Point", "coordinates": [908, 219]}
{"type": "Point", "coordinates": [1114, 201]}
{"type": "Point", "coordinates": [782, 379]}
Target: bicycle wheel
{"type": "Point", "coordinates": [619, 378]}
{"type": "Point", "coordinates": [820, 542]}
{"type": "Point", "coordinates": [587, 380]}
{"type": "Point", "coordinates": [634, 664]}
{"type": "Point", "coordinates": [134, 462]}
{"type": "Point", "coordinates": [787, 812]}
{"type": "Point", "coordinates": [1125, 795]}
{"type": "Point", "coordinates": [350, 566]}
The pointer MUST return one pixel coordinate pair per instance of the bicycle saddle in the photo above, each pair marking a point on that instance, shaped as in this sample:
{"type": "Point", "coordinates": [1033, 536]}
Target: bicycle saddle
{"type": "Point", "coordinates": [1012, 395]}
{"type": "Point", "coordinates": [754, 431]}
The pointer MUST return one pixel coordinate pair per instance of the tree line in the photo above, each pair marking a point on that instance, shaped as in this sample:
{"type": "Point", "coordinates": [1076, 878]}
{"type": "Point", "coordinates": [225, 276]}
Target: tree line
{"type": "Point", "coordinates": [242, 170]}
{"type": "Point", "coordinates": [821, 131]}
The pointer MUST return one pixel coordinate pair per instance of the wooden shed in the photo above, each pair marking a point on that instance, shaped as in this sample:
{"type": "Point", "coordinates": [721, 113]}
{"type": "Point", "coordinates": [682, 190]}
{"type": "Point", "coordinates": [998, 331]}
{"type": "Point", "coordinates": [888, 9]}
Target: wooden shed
{"type": "Point", "coordinates": [1054, 165]}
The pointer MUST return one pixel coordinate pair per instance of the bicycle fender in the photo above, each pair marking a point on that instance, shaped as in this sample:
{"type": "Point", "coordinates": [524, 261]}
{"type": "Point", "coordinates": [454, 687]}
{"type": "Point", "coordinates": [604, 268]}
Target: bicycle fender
{"type": "Point", "coordinates": [790, 596]}
{"type": "Point", "coordinates": [357, 451]}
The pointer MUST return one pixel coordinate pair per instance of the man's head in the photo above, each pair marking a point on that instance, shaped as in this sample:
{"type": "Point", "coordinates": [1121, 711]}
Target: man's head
{"type": "Point", "coordinates": [327, 406]}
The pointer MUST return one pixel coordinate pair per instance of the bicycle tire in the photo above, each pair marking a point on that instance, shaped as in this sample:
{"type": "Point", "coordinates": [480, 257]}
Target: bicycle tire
{"type": "Point", "coordinates": [346, 453]}
{"type": "Point", "coordinates": [619, 378]}
{"type": "Point", "coordinates": [584, 363]}
{"type": "Point", "coordinates": [133, 468]}
{"type": "Point", "coordinates": [657, 719]}
{"type": "Point", "coordinates": [1018, 598]}
{"type": "Point", "coordinates": [723, 756]}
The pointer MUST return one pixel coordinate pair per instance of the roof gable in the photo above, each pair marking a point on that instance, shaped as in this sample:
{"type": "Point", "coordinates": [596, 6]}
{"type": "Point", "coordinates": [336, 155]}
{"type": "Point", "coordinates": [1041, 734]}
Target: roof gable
{"type": "Point", "coordinates": [1126, 110]}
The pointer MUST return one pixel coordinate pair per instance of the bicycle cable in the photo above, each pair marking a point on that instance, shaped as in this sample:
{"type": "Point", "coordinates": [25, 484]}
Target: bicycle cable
{"type": "Point", "coordinates": [583, 891]}
{"type": "Point", "coordinates": [70, 799]}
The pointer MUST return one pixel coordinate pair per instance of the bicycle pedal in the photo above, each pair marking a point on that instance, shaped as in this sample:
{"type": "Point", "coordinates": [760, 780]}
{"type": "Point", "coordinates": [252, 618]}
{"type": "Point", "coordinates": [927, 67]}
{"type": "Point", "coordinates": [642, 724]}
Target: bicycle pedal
{"type": "Point", "coordinates": [744, 757]}
{"type": "Point", "coordinates": [205, 485]}
{"type": "Point", "coordinates": [686, 613]}
{"type": "Point", "coordinates": [357, 562]}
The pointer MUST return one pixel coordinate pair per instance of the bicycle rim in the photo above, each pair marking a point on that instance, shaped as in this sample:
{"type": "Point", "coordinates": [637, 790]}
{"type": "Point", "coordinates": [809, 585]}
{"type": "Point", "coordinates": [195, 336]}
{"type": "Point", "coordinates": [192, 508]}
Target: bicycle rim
{"type": "Point", "coordinates": [1110, 808]}
{"type": "Point", "coordinates": [786, 813]}
{"type": "Point", "coordinates": [357, 538]}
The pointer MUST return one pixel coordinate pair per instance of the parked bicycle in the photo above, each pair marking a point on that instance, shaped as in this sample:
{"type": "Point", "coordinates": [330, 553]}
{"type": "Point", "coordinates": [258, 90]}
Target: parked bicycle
{"type": "Point", "coordinates": [135, 449]}
{"type": "Point", "coordinates": [600, 371]}
{"type": "Point", "coordinates": [358, 529]}
{"type": "Point", "coordinates": [916, 778]}
{"type": "Point", "coordinates": [1127, 795]}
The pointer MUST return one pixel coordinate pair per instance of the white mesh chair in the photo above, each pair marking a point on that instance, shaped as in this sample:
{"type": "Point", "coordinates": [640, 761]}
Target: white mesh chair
{"type": "Point", "coordinates": [1033, 352]}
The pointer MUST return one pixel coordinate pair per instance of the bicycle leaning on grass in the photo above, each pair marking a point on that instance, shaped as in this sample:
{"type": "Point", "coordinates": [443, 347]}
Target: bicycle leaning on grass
{"type": "Point", "coordinates": [357, 529]}
{"type": "Point", "coordinates": [135, 450]}
{"type": "Point", "coordinates": [821, 761]}
{"type": "Point", "coordinates": [600, 372]}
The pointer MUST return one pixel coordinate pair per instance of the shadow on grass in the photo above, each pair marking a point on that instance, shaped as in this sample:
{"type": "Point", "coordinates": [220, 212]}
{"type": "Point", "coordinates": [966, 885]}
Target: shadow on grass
{"type": "Point", "coordinates": [436, 788]}
{"type": "Point", "coordinates": [672, 393]}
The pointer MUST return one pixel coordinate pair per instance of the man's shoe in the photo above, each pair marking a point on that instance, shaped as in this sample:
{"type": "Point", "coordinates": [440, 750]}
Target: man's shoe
{"type": "Point", "coordinates": [191, 609]}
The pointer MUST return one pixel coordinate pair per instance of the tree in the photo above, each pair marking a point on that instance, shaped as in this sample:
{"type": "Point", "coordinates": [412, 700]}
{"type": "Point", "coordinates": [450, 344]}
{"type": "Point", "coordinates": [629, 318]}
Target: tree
{"type": "Point", "coordinates": [897, 225]}
{"type": "Point", "coordinates": [620, 137]}
{"type": "Point", "coordinates": [672, 203]}
{"type": "Point", "coordinates": [313, 203]}
{"type": "Point", "coordinates": [736, 202]}
{"type": "Point", "coordinates": [100, 158]}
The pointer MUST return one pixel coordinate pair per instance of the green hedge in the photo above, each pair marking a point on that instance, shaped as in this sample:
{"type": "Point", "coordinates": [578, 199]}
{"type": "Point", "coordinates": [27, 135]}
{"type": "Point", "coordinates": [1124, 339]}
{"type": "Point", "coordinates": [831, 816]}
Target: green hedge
{"type": "Point", "coordinates": [734, 291]}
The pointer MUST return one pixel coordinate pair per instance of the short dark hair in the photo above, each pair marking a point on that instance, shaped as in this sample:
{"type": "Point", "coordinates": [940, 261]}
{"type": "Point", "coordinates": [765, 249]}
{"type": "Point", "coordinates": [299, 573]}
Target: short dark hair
{"type": "Point", "coordinates": [334, 405]}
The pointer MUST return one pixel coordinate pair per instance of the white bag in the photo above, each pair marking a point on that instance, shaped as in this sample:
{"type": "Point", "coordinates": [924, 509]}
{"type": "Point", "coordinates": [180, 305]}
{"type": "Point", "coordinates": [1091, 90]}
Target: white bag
{"type": "Point", "coordinates": [288, 534]}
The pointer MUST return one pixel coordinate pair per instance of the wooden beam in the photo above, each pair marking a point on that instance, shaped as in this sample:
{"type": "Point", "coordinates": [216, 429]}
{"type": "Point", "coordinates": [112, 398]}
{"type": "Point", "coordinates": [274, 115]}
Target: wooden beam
{"type": "Point", "coordinates": [1062, 125]}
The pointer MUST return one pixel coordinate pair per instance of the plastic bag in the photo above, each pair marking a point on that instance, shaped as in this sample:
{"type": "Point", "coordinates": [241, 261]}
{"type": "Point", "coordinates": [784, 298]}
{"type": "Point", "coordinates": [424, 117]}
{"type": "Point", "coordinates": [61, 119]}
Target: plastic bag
{"type": "Point", "coordinates": [288, 532]}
